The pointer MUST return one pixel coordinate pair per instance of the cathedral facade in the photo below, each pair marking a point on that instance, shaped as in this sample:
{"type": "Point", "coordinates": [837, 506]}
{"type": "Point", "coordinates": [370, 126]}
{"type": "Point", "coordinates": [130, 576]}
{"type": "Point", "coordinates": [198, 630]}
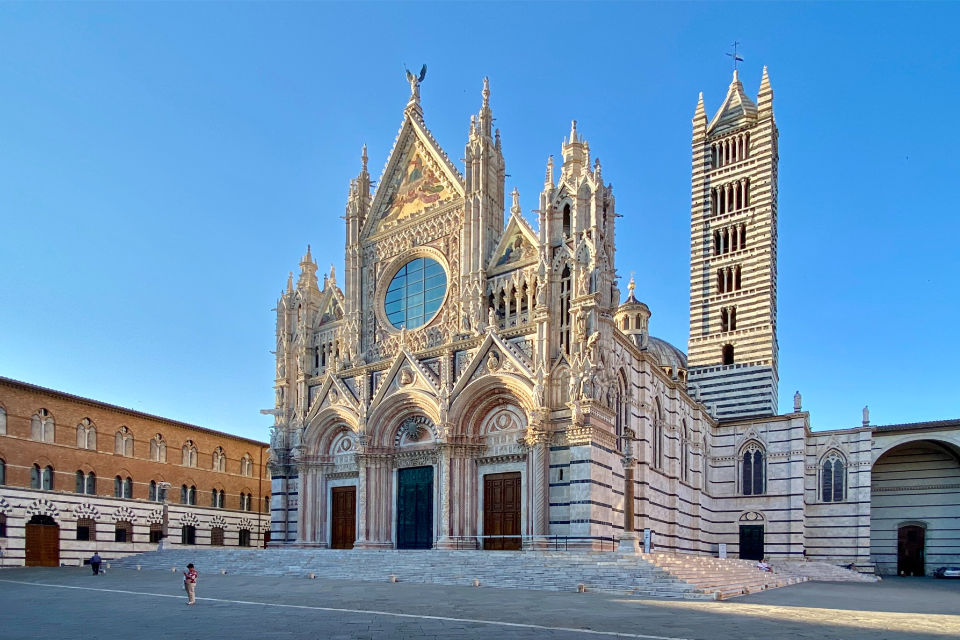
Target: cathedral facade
{"type": "Point", "coordinates": [480, 383]}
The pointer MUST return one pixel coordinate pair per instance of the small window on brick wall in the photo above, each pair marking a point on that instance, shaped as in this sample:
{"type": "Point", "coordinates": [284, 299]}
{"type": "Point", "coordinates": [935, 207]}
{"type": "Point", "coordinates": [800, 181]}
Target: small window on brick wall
{"type": "Point", "coordinates": [123, 532]}
{"type": "Point", "coordinates": [86, 529]}
{"type": "Point", "coordinates": [156, 532]}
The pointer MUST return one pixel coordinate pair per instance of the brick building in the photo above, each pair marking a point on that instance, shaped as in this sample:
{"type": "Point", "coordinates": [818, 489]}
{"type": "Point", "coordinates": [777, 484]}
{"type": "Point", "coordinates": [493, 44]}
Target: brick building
{"type": "Point", "coordinates": [77, 475]}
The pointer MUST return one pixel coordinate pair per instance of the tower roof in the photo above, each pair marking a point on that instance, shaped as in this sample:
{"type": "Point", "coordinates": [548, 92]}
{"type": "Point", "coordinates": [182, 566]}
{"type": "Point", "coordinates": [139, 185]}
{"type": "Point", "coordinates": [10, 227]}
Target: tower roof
{"type": "Point", "coordinates": [737, 108]}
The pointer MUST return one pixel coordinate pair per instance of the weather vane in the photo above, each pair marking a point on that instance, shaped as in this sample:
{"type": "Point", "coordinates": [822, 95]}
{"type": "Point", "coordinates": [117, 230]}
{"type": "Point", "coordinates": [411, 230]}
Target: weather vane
{"type": "Point", "coordinates": [736, 57]}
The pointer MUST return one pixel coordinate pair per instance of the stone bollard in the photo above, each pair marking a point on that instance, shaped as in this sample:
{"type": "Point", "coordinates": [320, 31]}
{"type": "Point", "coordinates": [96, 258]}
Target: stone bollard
{"type": "Point", "coordinates": [223, 572]}
{"type": "Point", "coordinates": [393, 578]}
{"type": "Point", "coordinates": [138, 567]}
{"type": "Point", "coordinates": [476, 582]}
{"type": "Point", "coordinates": [581, 588]}
{"type": "Point", "coordinates": [173, 569]}
{"type": "Point", "coordinates": [107, 565]}
{"type": "Point", "coordinates": [312, 575]}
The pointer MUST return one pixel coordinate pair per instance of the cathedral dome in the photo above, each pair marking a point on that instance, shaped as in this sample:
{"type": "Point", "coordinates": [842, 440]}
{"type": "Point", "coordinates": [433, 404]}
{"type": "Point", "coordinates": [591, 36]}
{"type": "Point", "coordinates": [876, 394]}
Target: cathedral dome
{"type": "Point", "coordinates": [667, 354]}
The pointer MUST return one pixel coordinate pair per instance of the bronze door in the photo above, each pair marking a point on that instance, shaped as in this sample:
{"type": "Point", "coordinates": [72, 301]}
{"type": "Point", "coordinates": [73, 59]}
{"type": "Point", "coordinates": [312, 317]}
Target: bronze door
{"type": "Point", "coordinates": [910, 542]}
{"type": "Point", "coordinates": [344, 519]}
{"type": "Point", "coordinates": [751, 542]}
{"type": "Point", "coordinates": [42, 543]}
{"type": "Point", "coordinates": [501, 511]}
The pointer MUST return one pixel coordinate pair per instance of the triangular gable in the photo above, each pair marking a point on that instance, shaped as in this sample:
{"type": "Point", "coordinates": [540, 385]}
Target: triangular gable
{"type": "Point", "coordinates": [423, 378]}
{"type": "Point", "coordinates": [418, 176]}
{"type": "Point", "coordinates": [342, 397]}
{"type": "Point", "coordinates": [518, 246]}
{"type": "Point", "coordinates": [509, 361]}
{"type": "Point", "coordinates": [331, 306]}
{"type": "Point", "coordinates": [737, 109]}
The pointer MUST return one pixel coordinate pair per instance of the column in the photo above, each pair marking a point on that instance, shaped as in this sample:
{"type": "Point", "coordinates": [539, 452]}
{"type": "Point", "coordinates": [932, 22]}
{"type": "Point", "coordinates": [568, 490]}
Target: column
{"type": "Point", "coordinates": [444, 463]}
{"type": "Point", "coordinates": [361, 502]}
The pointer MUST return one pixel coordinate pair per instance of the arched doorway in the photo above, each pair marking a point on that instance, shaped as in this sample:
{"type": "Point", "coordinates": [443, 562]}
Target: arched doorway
{"type": "Point", "coordinates": [42, 542]}
{"type": "Point", "coordinates": [914, 503]}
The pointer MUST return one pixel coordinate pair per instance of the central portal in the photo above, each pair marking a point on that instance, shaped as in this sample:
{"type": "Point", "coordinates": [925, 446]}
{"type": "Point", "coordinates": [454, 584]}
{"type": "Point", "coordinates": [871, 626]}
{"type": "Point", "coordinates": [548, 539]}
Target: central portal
{"type": "Point", "coordinates": [415, 508]}
{"type": "Point", "coordinates": [501, 511]}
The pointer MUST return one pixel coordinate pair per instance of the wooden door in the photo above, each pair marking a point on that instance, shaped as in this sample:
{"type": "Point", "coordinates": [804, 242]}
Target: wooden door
{"type": "Point", "coordinates": [910, 551]}
{"type": "Point", "coordinates": [42, 542]}
{"type": "Point", "coordinates": [415, 508]}
{"type": "Point", "coordinates": [501, 511]}
{"type": "Point", "coordinates": [344, 517]}
{"type": "Point", "coordinates": [751, 542]}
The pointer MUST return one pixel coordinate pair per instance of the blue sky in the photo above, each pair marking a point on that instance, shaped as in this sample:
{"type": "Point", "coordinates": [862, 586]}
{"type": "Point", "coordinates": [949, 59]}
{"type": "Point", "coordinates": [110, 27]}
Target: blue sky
{"type": "Point", "coordinates": [164, 165]}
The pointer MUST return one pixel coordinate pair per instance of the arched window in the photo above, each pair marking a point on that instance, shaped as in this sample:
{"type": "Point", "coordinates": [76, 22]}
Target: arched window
{"type": "Point", "coordinates": [753, 470]}
{"type": "Point", "coordinates": [184, 497]}
{"type": "Point", "coordinates": [246, 465]}
{"type": "Point", "coordinates": [3, 471]}
{"type": "Point", "coordinates": [86, 435]}
{"type": "Point", "coordinates": [48, 483]}
{"type": "Point", "coordinates": [189, 454]}
{"type": "Point", "coordinates": [565, 310]}
{"type": "Point", "coordinates": [86, 483]}
{"type": "Point", "coordinates": [216, 498]}
{"type": "Point", "coordinates": [657, 435]}
{"type": "Point", "coordinates": [3, 421]}
{"type": "Point", "coordinates": [219, 459]}
{"type": "Point", "coordinates": [123, 443]}
{"type": "Point", "coordinates": [117, 486]}
{"type": "Point", "coordinates": [36, 476]}
{"type": "Point", "coordinates": [192, 495]}
{"type": "Point", "coordinates": [128, 487]}
{"type": "Point", "coordinates": [684, 452]}
{"type": "Point", "coordinates": [158, 449]}
{"type": "Point", "coordinates": [266, 504]}
{"type": "Point", "coordinates": [566, 220]}
{"type": "Point", "coordinates": [833, 478]}
{"type": "Point", "coordinates": [244, 537]}
{"type": "Point", "coordinates": [152, 495]}
{"type": "Point", "coordinates": [221, 499]}
{"type": "Point", "coordinates": [42, 426]}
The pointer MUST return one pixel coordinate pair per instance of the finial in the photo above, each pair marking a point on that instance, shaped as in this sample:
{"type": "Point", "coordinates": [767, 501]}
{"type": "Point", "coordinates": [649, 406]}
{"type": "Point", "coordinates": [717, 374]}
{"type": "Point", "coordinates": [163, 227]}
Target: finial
{"type": "Point", "coordinates": [515, 209]}
{"type": "Point", "coordinates": [573, 131]}
{"type": "Point", "coordinates": [549, 178]}
{"type": "Point", "coordinates": [333, 275]}
{"type": "Point", "coordinates": [486, 92]}
{"type": "Point", "coordinates": [498, 138]}
{"type": "Point", "coordinates": [363, 157]}
{"type": "Point", "coordinates": [290, 282]}
{"type": "Point", "coordinates": [632, 285]}
{"type": "Point", "coordinates": [308, 257]}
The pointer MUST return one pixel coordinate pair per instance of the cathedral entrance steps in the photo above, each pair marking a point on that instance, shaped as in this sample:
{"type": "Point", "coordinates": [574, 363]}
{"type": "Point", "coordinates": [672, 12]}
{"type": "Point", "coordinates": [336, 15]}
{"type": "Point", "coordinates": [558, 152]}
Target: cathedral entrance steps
{"type": "Point", "coordinates": [826, 571]}
{"type": "Point", "coordinates": [549, 571]}
{"type": "Point", "coordinates": [723, 577]}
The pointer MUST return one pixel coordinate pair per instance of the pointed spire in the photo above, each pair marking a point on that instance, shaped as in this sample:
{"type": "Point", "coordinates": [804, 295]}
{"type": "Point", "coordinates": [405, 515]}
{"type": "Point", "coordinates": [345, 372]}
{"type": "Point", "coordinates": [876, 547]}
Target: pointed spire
{"type": "Point", "coordinates": [290, 282]}
{"type": "Point", "coordinates": [736, 77]}
{"type": "Point", "coordinates": [363, 158]}
{"type": "Point", "coordinates": [573, 131]}
{"type": "Point", "coordinates": [765, 95]}
{"type": "Point", "coordinates": [700, 112]}
{"type": "Point", "coordinates": [597, 175]}
{"type": "Point", "coordinates": [486, 115]}
{"type": "Point", "coordinates": [630, 287]}
{"type": "Point", "coordinates": [333, 275]}
{"type": "Point", "coordinates": [308, 271]}
{"type": "Point", "coordinates": [307, 257]}
{"type": "Point", "coordinates": [515, 208]}
{"type": "Point", "coordinates": [548, 180]}
{"type": "Point", "coordinates": [700, 118]}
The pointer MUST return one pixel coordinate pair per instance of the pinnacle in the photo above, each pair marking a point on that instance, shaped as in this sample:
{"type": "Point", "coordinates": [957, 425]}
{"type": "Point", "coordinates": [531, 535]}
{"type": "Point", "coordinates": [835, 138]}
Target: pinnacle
{"type": "Point", "coordinates": [515, 209]}
{"type": "Point", "coordinates": [363, 157]}
{"type": "Point", "coordinates": [765, 81]}
{"type": "Point", "coordinates": [573, 131]}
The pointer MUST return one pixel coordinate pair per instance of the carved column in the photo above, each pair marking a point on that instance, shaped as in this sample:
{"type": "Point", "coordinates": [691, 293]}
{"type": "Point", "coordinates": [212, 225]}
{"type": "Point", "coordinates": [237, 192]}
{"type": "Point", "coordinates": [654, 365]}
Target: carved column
{"type": "Point", "coordinates": [444, 541]}
{"type": "Point", "coordinates": [361, 502]}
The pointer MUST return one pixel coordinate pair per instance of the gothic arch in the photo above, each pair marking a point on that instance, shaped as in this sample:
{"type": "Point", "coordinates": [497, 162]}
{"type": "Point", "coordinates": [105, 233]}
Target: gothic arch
{"type": "Point", "coordinates": [383, 422]}
{"type": "Point", "coordinates": [490, 390]}
{"type": "Point", "coordinates": [324, 426]}
{"type": "Point", "coordinates": [949, 441]}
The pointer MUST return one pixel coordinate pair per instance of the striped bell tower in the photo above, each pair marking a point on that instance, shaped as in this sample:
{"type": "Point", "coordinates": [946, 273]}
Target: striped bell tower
{"type": "Point", "coordinates": [733, 255]}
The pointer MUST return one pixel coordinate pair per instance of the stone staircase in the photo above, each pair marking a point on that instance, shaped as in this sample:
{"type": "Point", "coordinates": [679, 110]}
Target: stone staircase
{"type": "Point", "coordinates": [813, 570]}
{"type": "Point", "coordinates": [545, 570]}
{"type": "Point", "coordinates": [725, 577]}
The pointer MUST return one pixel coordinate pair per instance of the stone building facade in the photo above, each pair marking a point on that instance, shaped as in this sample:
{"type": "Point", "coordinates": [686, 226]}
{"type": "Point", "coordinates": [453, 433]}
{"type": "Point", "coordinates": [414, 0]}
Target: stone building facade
{"type": "Point", "coordinates": [479, 383]}
{"type": "Point", "coordinates": [78, 476]}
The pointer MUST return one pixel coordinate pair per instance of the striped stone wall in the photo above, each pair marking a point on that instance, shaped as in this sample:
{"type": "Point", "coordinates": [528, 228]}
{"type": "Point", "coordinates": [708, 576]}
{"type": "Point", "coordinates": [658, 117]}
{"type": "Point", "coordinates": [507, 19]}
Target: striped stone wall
{"type": "Point", "coordinates": [916, 483]}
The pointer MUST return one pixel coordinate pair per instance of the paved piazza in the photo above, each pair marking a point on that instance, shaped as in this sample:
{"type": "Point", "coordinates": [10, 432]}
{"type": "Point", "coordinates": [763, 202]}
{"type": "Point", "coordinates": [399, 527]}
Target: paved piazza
{"type": "Point", "coordinates": [71, 603]}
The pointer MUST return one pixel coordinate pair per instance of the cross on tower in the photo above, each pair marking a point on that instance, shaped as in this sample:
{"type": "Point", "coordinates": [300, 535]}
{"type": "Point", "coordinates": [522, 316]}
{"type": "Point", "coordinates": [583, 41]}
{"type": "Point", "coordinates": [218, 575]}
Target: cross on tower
{"type": "Point", "coordinates": [736, 57]}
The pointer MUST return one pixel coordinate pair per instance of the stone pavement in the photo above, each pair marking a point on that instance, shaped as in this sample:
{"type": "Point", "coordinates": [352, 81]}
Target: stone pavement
{"type": "Point", "coordinates": [71, 603]}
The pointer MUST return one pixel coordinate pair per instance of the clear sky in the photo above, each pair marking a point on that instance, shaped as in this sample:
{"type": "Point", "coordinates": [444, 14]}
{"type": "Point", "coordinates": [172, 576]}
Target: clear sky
{"type": "Point", "coordinates": [164, 165]}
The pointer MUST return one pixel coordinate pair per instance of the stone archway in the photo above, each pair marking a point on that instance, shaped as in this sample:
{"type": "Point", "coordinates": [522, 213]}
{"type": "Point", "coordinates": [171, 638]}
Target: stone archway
{"type": "Point", "coordinates": [914, 498]}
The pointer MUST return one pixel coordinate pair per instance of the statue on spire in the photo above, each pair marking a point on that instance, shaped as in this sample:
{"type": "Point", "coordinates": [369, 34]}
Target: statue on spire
{"type": "Point", "coordinates": [415, 81]}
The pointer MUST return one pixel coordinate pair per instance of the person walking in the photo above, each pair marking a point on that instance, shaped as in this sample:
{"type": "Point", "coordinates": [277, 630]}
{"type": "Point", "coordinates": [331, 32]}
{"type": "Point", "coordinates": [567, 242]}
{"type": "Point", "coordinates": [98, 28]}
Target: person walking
{"type": "Point", "coordinates": [190, 583]}
{"type": "Point", "coordinates": [95, 561]}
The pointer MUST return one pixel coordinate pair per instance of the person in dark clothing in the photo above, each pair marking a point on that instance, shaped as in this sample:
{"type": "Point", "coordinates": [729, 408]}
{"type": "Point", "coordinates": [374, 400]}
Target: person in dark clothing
{"type": "Point", "coordinates": [95, 563]}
